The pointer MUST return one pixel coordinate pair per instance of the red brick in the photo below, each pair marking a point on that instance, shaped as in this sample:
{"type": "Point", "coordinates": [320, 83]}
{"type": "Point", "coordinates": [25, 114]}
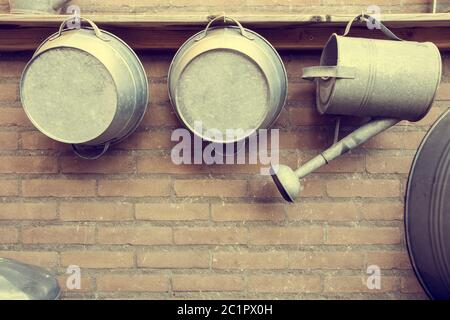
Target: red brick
{"type": "Point", "coordinates": [28, 164]}
{"type": "Point", "coordinates": [326, 260]}
{"type": "Point", "coordinates": [324, 211]}
{"type": "Point", "coordinates": [132, 283]}
{"type": "Point", "coordinates": [248, 212]}
{"type": "Point", "coordinates": [435, 112]}
{"type": "Point", "coordinates": [284, 283]}
{"type": "Point", "coordinates": [8, 235]}
{"type": "Point", "coordinates": [58, 188]}
{"type": "Point", "coordinates": [203, 282]}
{"type": "Point", "coordinates": [134, 188]}
{"type": "Point", "coordinates": [379, 188]}
{"type": "Point", "coordinates": [44, 259]}
{"type": "Point", "coordinates": [9, 92]}
{"type": "Point", "coordinates": [148, 140]}
{"type": "Point", "coordinates": [347, 163]}
{"type": "Point", "coordinates": [309, 117]}
{"type": "Point", "coordinates": [267, 189]}
{"type": "Point", "coordinates": [58, 235]}
{"type": "Point", "coordinates": [27, 211]}
{"type": "Point", "coordinates": [106, 164]}
{"type": "Point", "coordinates": [35, 140]}
{"type": "Point", "coordinates": [285, 235]}
{"type": "Point", "coordinates": [164, 164]}
{"type": "Point", "coordinates": [443, 92]}
{"type": "Point", "coordinates": [9, 188]}
{"type": "Point", "coordinates": [211, 188]}
{"type": "Point", "coordinates": [389, 259]}
{"type": "Point", "coordinates": [245, 260]}
{"type": "Point", "coordinates": [410, 284]}
{"type": "Point", "coordinates": [388, 164]}
{"type": "Point", "coordinates": [173, 259]}
{"type": "Point", "coordinates": [14, 117]}
{"type": "Point", "coordinates": [96, 211]}
{"type": "Point", "coordinates": [408, 140]}
{"type": "Point", "coordinates": [315, 139]}
{"type": "Point", "coordinates": [98, 259]}
{"type": "Point", "coordinates": [359, 284]}
{"type": "Point", "coordinates": [85, 285]}
{"type": "Point", "coordinates": [210, 235]}
{"type": "Point", "coordinates": [9, 140]}
{"type": "Point", "coordinates": [143, 235]}
{"type": "Point", "coordinates": [383, 211]}
{"type": "Point", "coordinates": [363, 235]}
{"type": "Point", "coordinates": [172, 211]}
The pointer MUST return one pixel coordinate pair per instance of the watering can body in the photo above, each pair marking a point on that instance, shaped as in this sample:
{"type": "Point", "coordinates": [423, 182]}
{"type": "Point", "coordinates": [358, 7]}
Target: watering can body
{"type": "Point", "coordinates": [376, 78]}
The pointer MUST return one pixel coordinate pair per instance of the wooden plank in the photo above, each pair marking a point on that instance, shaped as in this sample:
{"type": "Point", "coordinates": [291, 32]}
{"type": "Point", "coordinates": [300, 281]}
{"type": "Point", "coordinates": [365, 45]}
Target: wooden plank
{"type": "Point", "coordinates": [286, 38]}
{"type": "Point", "coordinates": [307, 32]}
{"type": "Point", "coordinates": [147, 20]}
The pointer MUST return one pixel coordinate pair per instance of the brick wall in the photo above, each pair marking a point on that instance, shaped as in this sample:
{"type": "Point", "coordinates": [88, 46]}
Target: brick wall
{"type": "Point", "coordinates": [141, 227]}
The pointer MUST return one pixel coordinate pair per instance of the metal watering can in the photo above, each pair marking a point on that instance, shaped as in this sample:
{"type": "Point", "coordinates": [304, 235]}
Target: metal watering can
{"type": "Point", "coordinates": [388, 80]}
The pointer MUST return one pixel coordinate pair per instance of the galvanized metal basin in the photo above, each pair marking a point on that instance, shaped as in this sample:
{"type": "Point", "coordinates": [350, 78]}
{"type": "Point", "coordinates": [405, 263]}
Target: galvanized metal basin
{"type": "Point", "coordinates": [227, 78]}
{"type": "Point", "coordinates": [85, 87]}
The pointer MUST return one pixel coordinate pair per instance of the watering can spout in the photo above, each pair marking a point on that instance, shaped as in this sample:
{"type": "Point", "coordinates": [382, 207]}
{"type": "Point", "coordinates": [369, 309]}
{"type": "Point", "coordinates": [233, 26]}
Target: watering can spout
{"type": "Point", "coordinates": [287, 180]}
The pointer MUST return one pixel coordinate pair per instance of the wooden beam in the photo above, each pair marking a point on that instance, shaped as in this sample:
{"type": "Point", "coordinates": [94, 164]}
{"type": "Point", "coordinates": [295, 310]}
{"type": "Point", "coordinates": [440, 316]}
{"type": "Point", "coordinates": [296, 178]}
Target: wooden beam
{"type": "Point", "coordinates": [148, 32]}
{"type": "Point", "coordinates": [146, 20]}
{"type": "Point", "coordinates": [307, 38]}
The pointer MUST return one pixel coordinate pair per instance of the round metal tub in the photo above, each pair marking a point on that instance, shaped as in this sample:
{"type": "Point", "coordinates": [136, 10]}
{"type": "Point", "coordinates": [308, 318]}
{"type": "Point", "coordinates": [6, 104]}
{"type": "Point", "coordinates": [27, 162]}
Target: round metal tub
{"type": "Point", "coordinates": [427, 211]}
{"type": "Point", "coordinates": [227, 79]}
{"type": "Point", "coordinates": [85, 87]}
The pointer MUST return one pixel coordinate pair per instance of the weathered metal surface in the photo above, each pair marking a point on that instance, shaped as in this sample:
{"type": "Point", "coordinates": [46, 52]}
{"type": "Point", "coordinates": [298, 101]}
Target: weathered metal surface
{"type": "Point", "coordinates": [227, 78]}
{"type": "Point", "coordinates": [427, 211]}
{"type": "Point", "coordinates": [66, 86]}
{"type": "Point", "coordinates": [85, 87]}
{"type": "Point", "coordinates": [20, 281]}
{"type": "Point", "coordinates": [389, 80]}
{"type": "Point", "coordinates": [377, 78]}
{"type": "Point", "coordinates": [287, 180]}
{"type": "Point", "coordinates": [36, 6]}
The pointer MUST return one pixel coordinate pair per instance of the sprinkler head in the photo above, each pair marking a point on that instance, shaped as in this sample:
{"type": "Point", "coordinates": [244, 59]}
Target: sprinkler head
{"type": "Point", "coordinates": [286, 181]}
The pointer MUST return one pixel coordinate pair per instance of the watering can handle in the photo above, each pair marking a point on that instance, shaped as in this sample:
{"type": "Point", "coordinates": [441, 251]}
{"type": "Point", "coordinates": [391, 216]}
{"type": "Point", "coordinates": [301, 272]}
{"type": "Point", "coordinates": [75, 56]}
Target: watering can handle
{"type": "Point", "coordinates": [326, 72]}
{"type": "Point", "coordinates": [86, 156]}
{"type": "Point", "coordinates": [382, 27]}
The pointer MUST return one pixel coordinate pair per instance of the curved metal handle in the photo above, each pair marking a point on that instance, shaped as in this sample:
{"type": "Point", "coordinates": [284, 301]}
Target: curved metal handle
{"type": "Point", "coordinates": [365, 17]}
{"type": "Point", "coordinates": [96, 29]}
{"type": "Point", "coordinates": [85, 156]}
{"type": "Point", "coordinates": [225, 18]}
{"type": "Point", "coordinates": [326, 72]}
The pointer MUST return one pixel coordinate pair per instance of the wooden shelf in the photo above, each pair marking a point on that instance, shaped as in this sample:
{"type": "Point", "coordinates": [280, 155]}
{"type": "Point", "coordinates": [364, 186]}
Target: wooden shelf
{"type": "Point", "coordinates": [27, 31]}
